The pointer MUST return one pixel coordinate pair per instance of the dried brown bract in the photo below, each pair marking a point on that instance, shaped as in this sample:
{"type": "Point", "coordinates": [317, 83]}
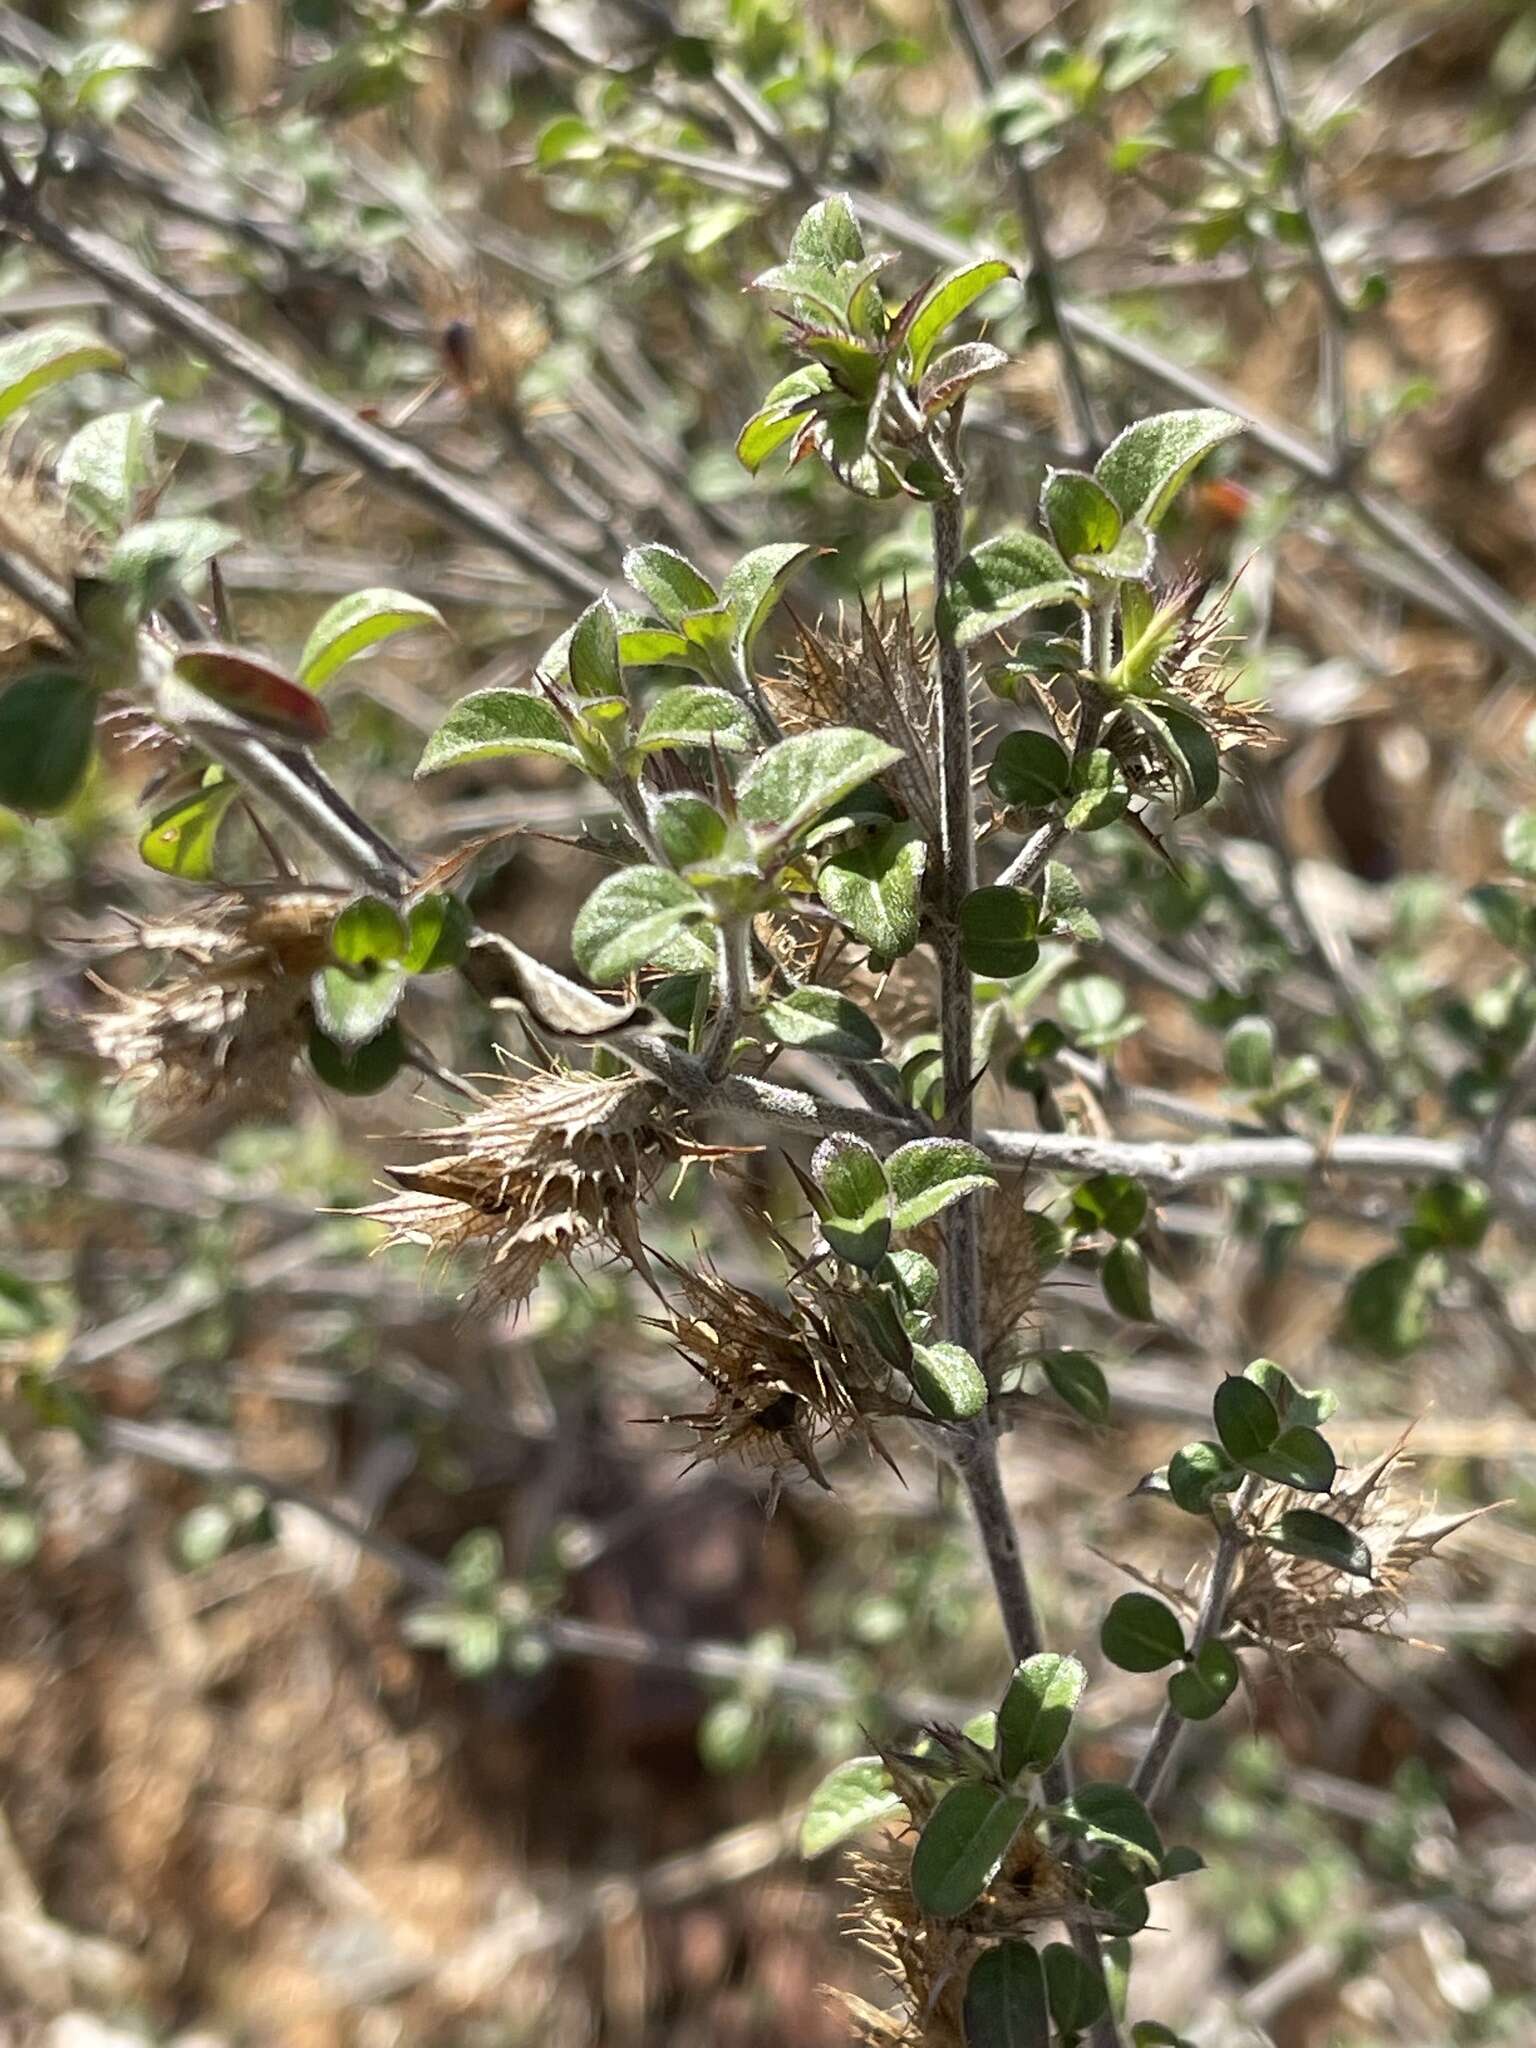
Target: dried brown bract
{"type": "Point", "coordinates": [559, 1162]}
{"type": "Point", "coordinates": [216, 1042]}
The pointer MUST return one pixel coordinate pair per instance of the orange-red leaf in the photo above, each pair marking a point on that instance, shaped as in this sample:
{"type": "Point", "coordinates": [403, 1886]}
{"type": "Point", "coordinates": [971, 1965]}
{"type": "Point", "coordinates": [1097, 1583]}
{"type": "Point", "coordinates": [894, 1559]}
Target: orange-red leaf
{"type": "Point", "coordinates": [256, 690]}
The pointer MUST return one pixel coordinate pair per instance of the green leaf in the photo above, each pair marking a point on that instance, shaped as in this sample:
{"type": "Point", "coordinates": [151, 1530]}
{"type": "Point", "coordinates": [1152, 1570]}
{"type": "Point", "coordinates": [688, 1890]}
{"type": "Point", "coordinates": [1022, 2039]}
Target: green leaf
{"type": "Point", "coordinates": [1454, 1213]}
{"type": "Point", "coordinates": [754, 586]}
{"type": "Point", "coordinates": [653, 647]}
{"type": "Point", "coordinates": [1005, 577]}
{"type": "Point", "coordinates": [593, 655]}
{"type": "Point", "coordinates": [875, 888]}
{"type": "Point", "coordinates": [23, 1309]}
{"type": "Point", "coordinates": [929, 1173]}
{"type": "Point", "coordinates": [42, 356]}
{"type": "Point", "coordinates": [630, 921]}
{"type": "Point", "coordinates": [1077, 1995]}
{"type": "Point", "coordinates": [1112, 1202]}
{"type": "Point", "coordinates": [360, 1070]}
{"type": "Point", "coordinates": [1083, 518]}
{"type": "Point", "coordinates": [1079, 1381]}
{"type": "Point", "coordinates": [47, 730]}
{"type": "Point", "coordinates": [943, 303]}
{"type": "Point", "coordinates": [689, 830]}
{"type": "Point", "coordinates": [1037, 1710]}
{"type": "Point", "coordinates": [948, 1381]}
{"type": "Point", "coordinates": [1191, 754]}
{"type": "Point", "coordinates": [1030, 771]}
{"type": "Point", "coordinates": [789, 406]}
{"type": "Point", "coordinates": [1101, 792]}
{"type": "Point", "coordinates": [1249, 1054]}
{"type": "Point", "coordinates": [1390, 1305]}
{"type": "Point", "coordinates": [438, 928]}
{"type": "Point", "coordinates": [1113, 1814]}
{"type": "Point", "coordinates": [489, 724]}
{"type": "Point", "coordinates": [853, 1796]}
{"type": "Point", "coordinates": [675, 588]}
{"type": "Point", "coordinates": [159, 554]}
{"type": "Point", "coordinates": [856, 1200]}
{"type": "Point", "coordinates": [1296, 1406]}
{"type": "Point", "coordinates": [1519, 843]}
{"type": "Point", "coordinates": [792, 784]}
{"type": "Point", "coordinates": [1198, 1473]}
{"type": "Point", "coordinates": [820, 1020]}
{"type": "Point", "coordinates": [1205, 1685]}
{"type": "Point", "coordinates": [1093, 1008]}
{"type": "Point", "coordinates": [1144, 468]}
{"type": "Point", "coordinates": [180, 839]}
{"type": "Point", "coordinates": [694, 715]}
{"type": "Point", "coordinates": [828, 234]}
{"type": "Point", "coordinates": [1246, 1420]}
{"type": "Point", "coordinates": [1153, 2034]}
{"type": "Point", "coordinates": [997, 932]}
{"type": "Point", "coordinates": [254, 690]}
{"type": "Point", "coordinates": [1063, 906]}
{"type": "Point", "coordinates": [1127, 1284]}
{"type": "Point", "coordinates": [357, 622]}
{"type": "Point", "coordinates": [1005, 2001]}
{"type": "Point", "coordinates": [948, 377]}
{"type": "Point", "coordinates": [1115, 1890]}
{"type": "Point", "coordinates": [368, 933]}
{"type": "Point", "coordinates": [104, 466]}
{"type": "Point", "coordinates": [1303, 1532]}
{"type": "Point", "coordinates": [1141, 1633]}
{"type": "Point", "coordinates": [1179, 1861]}
{"type": "Point", "coordinates": [962, 1847]}
{"type": "Point", "coordinates": [1298, 1458]}
{"type": "Point", "coordinates": [353, 1007]}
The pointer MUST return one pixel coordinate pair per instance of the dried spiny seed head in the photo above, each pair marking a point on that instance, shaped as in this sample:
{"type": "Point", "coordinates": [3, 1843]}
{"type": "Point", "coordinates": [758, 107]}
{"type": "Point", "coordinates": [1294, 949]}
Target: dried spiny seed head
{"type": "Point", "coordinates": [34, 526]}
{"type": "Point", "coordinates": [556, 1164]}
{"type": "Point", "coordinates": [488, 343]}
{"type": "Point", "coordinates": [776, 1376]}
{"type": "Point", "coordinates": [1010, 1263]}
{"type": "Point", "coordinates": [929, 1960]}
{"type": "Point", "coordinates": [1184, 655]}
{"type": "Point", "coordinates": [1296, 1604]}
{"type": "Point", "coordinates": [877, 675]}
{"type": "Point", "coordinates": [216, 1041]}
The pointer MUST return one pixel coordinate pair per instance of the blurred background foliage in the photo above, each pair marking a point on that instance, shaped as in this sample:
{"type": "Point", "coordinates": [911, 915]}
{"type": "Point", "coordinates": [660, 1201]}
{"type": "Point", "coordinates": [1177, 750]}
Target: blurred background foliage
{"type": "Point", "coordinates": [371, 1673]}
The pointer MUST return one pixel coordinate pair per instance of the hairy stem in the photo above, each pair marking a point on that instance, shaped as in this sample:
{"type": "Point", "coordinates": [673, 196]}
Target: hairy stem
{"type": "Point", "coordinates": [956, 880]}
{"type": "Point", "coordinates": [734, 945]}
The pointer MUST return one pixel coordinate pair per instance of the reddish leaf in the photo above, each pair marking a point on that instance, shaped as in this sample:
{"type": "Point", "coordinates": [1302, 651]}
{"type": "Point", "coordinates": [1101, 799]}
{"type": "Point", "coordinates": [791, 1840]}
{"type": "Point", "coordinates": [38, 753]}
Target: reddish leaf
{"type": "Point", "coordinates": [252, 687]}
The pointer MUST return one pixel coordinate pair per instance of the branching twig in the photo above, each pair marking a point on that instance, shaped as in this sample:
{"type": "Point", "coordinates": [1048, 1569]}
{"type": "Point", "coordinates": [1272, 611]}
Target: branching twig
{"type": "Point", "coordinates": [1043, 284]}
{"type": "Point", "coordinates": [1171, 1724]}
{"type": "Point", "coordinates": [1335, 316]}
{"type": "Point", "coordinates": [399, 466]}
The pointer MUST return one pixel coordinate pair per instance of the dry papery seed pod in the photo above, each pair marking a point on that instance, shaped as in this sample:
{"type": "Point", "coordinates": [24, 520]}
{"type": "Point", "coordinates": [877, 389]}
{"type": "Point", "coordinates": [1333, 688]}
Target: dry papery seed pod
{"type": "Point", "coordinates": [1295, 1605]}
{"type": "Point", "coordinates": [877, 675]}
{"type": "Point", "coordinates": [216, 1041]}
{"type": "Point", "coordinates": [928, 1960]}
{"type": "Point", "coordinates": [558, 1162]}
